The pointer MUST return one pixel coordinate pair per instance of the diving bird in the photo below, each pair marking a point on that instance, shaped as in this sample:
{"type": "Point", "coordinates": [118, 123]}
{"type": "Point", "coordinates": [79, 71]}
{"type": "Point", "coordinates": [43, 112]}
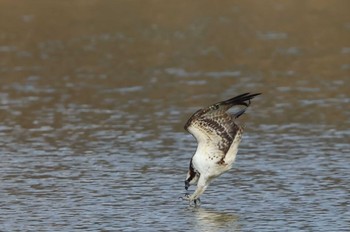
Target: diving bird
{"type": "Point", "coordinates": [218, 137]}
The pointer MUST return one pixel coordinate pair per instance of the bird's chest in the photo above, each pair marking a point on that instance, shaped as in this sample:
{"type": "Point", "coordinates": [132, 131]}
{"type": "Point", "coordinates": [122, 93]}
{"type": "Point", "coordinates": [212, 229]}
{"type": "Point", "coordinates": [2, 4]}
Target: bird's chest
{"type": "Point", "coordinates": [204, 160]}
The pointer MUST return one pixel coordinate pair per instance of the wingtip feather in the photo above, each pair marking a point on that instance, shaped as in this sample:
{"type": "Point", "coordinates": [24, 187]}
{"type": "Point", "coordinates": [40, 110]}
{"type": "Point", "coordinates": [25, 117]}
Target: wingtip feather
{"type": "Point", "coordinates": [241, 99]}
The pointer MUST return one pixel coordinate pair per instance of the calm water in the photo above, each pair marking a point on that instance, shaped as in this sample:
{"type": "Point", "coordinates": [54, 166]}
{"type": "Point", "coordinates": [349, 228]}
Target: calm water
{"type": "Point", "coordinates": [94, 96]}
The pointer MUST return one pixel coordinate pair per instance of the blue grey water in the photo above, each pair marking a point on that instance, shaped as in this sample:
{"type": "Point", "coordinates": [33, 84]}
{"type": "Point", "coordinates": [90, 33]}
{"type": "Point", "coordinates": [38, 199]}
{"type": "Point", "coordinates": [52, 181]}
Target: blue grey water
{"type": "Point", "coordinates": [92, 115]}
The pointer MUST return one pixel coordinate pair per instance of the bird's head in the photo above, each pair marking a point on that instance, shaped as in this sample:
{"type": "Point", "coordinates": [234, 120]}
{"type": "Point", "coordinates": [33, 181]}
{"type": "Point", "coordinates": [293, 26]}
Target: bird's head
{"type": "Point", "coordinates": [191, 179]}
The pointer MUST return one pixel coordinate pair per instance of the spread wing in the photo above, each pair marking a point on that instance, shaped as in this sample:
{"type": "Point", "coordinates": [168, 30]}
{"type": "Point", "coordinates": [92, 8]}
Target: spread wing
{"type": "Point", "coordinates": [214, 127]}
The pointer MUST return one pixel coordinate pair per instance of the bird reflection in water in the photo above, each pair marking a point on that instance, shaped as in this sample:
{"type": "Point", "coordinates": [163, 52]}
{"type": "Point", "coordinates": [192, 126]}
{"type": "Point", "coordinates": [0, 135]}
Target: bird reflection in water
{"type": "Point", "coordinates": [211, 220]}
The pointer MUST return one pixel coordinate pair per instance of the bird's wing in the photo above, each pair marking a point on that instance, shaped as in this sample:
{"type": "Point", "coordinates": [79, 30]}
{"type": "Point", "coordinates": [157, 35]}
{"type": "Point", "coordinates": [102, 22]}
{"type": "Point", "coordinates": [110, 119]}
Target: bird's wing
{"type": "Point", "coordinates": [214, 127]}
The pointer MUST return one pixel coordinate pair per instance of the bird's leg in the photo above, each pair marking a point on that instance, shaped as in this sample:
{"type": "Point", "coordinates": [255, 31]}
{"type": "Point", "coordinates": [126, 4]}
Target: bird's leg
{"type": "Point", "coordinates": [199, 191]}
{"type": "Point", "coordinates": [201, 187]}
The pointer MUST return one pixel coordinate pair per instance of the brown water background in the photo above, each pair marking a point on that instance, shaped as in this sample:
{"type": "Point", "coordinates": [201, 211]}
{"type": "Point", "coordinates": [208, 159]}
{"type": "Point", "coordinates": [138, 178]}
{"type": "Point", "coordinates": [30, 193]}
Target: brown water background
{"type": "Point", "coordinates": [94, 96]}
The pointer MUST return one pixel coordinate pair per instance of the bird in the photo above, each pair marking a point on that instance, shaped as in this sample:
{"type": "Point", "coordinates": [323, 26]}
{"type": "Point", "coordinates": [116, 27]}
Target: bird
{"type": "Point", "coordinates": [218, 137]}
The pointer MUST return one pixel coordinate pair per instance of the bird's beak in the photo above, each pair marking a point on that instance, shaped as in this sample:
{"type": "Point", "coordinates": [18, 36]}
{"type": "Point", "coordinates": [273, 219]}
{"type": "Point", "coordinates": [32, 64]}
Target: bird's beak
{"type": "Point", "coordinates": [187, 184]}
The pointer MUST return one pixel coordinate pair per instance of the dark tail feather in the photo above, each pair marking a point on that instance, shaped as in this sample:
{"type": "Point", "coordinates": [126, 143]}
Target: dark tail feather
{"type": "Point", "coordinates": [240, 100]}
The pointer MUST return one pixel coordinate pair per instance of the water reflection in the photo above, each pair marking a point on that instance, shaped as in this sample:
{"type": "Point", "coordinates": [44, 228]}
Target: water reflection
{"type": "Point", "coordinates": [211, 220]}
{"type": "Point", "coordinates": [94, 96]}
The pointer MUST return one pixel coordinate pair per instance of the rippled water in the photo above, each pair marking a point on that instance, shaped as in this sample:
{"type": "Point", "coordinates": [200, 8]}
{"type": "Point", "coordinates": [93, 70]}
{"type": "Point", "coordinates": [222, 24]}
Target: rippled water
{"type": "Point", "coordinates": [94, 97]}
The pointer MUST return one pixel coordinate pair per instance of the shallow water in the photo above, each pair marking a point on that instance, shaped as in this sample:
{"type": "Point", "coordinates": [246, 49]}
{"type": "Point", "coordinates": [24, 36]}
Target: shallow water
{"type": "Point", "coordinates": [94, 96]}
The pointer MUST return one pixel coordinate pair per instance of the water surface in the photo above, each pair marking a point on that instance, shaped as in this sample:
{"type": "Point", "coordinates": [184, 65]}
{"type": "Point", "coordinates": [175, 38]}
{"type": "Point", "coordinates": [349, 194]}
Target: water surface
{"type": "Point", "coordinates": [94, 96]}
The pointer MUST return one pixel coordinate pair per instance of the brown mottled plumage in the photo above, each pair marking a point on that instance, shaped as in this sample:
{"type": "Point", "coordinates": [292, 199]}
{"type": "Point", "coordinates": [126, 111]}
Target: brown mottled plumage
{"type": "Point", "coordinates": [218, 137]}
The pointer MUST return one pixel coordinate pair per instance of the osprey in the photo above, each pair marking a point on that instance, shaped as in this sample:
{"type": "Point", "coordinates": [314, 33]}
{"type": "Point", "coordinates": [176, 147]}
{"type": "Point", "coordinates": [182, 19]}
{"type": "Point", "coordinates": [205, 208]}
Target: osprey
{"type": "Point", "coordinates": [218, 137]}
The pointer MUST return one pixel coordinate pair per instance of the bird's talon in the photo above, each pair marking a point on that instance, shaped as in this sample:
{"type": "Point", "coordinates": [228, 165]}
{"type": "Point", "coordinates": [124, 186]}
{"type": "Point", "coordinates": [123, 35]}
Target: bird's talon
{"type": "Point", "coordinates": [185, 197]}
{"type": "Point", "coordinates": [197, 202]}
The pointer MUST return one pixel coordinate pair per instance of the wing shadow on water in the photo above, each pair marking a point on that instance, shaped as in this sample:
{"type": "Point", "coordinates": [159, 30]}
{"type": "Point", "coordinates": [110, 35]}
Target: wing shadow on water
{"type": "Point", "coordinates": [212, 220]}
